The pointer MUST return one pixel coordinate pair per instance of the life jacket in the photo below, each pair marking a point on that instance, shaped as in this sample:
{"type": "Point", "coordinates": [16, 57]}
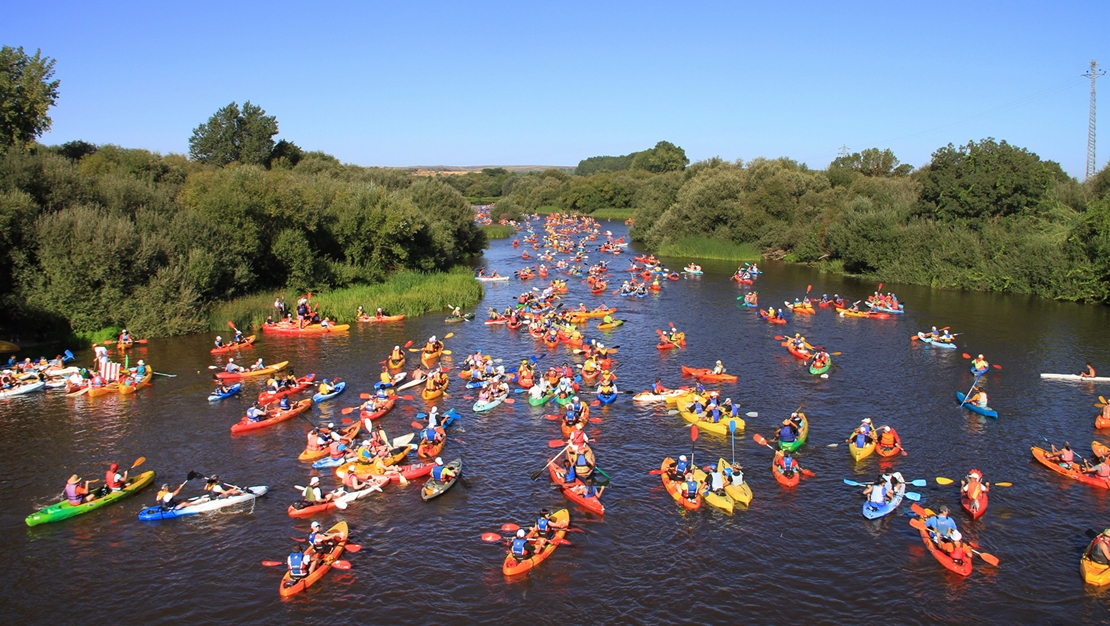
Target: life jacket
{"type": "Point", "coordinates": [582, 461]}
{"type": "Point", "coordinates": [681, 467]}
{"type": "Point", "coordinates": [428, 434]}
{"type": "Point", "coordinates": [110, 480]}
{"type": "Point", "coordinates": [297, 564]}
{"type": "Point", "coordinates": [658, 388]}
{"type": "Point", "coordinates": [437, 473]}
{"type": "Point", "coordinates": [284, 403]}
{"type": "Point", "coordinates": [1102, 470]}
{"type": "Point", "coordinates": [313, 441]}
{"type": "Point", "coordinates": [787, 464]}
{"type": "Point", "coordinates": [887, 439]}
{"type": "Point", "coordinates": [309, 495]}
{"type": "Point", "coordinates": [349, 479]}
{"type": "Point", "coordinates": [691, 489]}
{"type": "Point", "coordinates": [334, 451]}
{"type": "Point", "coordinates": [542, 524]}
{"type": "Point", "coordinates": [861, 440]}
{"type": "Point", "coordinates": [570, 476]}
{"type": "Point", "coordinates": [72, 495]}
{"type": "Point", "coordinates": [519, 545]}
{"type": "Point", "coordinates": [1067, 456]}
{"type": "Point", "coordinates": [715, 414]}
{"type": "Point", "coordinates": [786, 435]}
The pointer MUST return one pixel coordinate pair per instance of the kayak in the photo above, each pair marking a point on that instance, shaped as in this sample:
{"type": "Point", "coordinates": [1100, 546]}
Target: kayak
{"type": "Point", "coordinates": [396, 364]}
{"type": "Point", "coordinates": [932, 342]}
{"type": "Point", "coordinates": [1077, 378]}
{"type": "Point", "coordinates": [1093, 573]}
{"type": "Point", "coordinates": [719, 428]}
{"type": "Point", "coordinates": [346, 435]}
{"type": "Point", "coordinates": [606, 398]}
{"type": "Point", "coordinates": [875, 511]}
{"type": "Point", "coordinates": [649, 396]}
{"type": "Point", "coordinates": [384, 318]}
{"type": "Point", "coordinates": [980, 495]}
{"type": "Point", "coordinates": [434, 488]}
{"type": "Point", "coordinates": [482, 407]}
{"type": "Point", "coordinates": [585, 315]}
{"type": "Point", "coordinates": [202, 504]}
{"type": "Point", "coordinates": [231, 391]}
{"type": "Point", "coordinates": [613, 324]}
{"type": "Point", "coordinates": [491, 279]}
{"type": "Point", "coordinates": [1073, 473]}
{"type": "Point", "coordinates": [803, 435]}
{"type": "Point", "coordinates": [963, 569]}
{"type": "Point", "coordinates": [290, 586]}
{"type": "Point", "coordinates": [805, 309]}
{"type": "Point", "coordinates": [592, 504]}
{"type": "Point", "coordinates": [371, 416]}
{"type": "Point", "coordinates": [512, 566]}
{"type": "Point", "coordinates": [428, 450]}
{"type": "Point", "coordinates": [268, 397]}
{"type": "Point", "coordinates": [298, 509]}
{"type": "Point", "coordinates": [786, 481]}
{"type": "Point", "coordinates": [64, 510]}
{"type": "Point", "coordinates": [430, 394]}
{"type": "Point", "coordinates": [454, 320]}
{"type": "Point", "coordinates": [275, 417]}
{"type": "Point", "coordinates": [798, 354]}
{"type": "Point", "coordinates": [252, 373]}
{"type": "Point", "coordinates": [772, 320]}
{"type": "Point", "coordinates": [858, 453]}
{"type": "Point", "coordinates": [979, 372]}
{"type": "Point", "coordinates": [312, 329]}
{"type": "Point", "coordinates": [989, 412]}
{"type": "Point", "coordinates": [338, 389]}
{"type": "Point", "coordinates": [715, 500]}
{"type": "Point", "coordinates": [888, 452]}
{"type": "Point", "coordinates": [707, 374]}
{"type": "Point", "coordinates": [673, 488]}
{"type": "Point", "coordinates": [741, 493]}
{"type": "Point", "coordinates": [817, 371]}
{"type": "Point", "coordinates": [28, 388]}
{"type": "Point", "coordinates": [429, 358]}
{"type": "Point", "coordinates": [245, 343]}
{"type": "Point", "coordinates": [542, 400]}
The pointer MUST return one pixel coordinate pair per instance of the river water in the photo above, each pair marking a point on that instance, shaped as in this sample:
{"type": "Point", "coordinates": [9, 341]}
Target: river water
{"type": "Point", "coordinates": [804, 555]}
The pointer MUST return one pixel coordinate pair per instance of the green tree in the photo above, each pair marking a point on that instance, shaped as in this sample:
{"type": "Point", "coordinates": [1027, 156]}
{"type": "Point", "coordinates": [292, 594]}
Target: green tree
{"type": "Point", "coordinates": [26, 94]}
{"type": "Point", "coordinates": [664, 157]}
{"type": "Point", "coordinates": [231, 135]}
{"type": "Point", "coordinates": [871, 162]}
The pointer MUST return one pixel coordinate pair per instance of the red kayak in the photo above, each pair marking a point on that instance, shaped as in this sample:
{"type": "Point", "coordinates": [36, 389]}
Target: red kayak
{"type": "Point", "coordinates": [246, 343]}
{"type": "Point", "coordinates": [413, 470]}
{"type": "Point", "coordinates": [590, 504]}
{"type": "Point", "coordinates": [980, 495]}
{"type": "Point", "coordinates": [772, 320]}
{"type": "Point", "coordinates": [269, 397]}
{"type": "Point", "coordinates": [365, 416]}
{"type": "Point", "coordinates": [276, 417]}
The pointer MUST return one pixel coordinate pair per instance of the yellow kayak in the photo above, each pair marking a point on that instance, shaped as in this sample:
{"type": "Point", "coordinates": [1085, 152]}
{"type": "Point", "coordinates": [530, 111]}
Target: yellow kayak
{"type": "Point", "coordinates": [724, 502]}
{"type": "Point", "coordinates": [860, 453]}
{"type": "Point", "coordinates": [741, 493]}
{"type": "Point", "coordinates": [1093, 573]}
{"type": "Point", "coordinates": [720, 428]}
{"type": "Point", "coordinates": [252, 373]}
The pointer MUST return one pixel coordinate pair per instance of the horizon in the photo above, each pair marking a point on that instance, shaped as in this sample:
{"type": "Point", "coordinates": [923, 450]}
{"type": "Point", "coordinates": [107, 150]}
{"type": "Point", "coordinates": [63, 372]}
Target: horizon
{"type": "Point", "coordinates": [500, 83]}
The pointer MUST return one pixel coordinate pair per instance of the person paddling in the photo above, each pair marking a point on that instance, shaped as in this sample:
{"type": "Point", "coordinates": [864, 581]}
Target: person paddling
{"type": "Point", "coordinates": [1090, 373]}
{"type": "Point", "coordinates": [166, 496]}
{"type": "Point", "coordinates": [113, 479]}
{"type": "Point", "coordinates": [76, 493]}
{"type": "Point", "coordinates": [1065, 457]}
{"type": "Point", "coordinates": [1100, 549]}
{"type": "Point", "coordinates": [232, 368]}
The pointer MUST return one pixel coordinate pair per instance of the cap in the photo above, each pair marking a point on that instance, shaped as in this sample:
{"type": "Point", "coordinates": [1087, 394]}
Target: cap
{"type": "Point", "coordinates": [114, 466]}
{"type": "Point", "coordinates": [682, 458]}
{"type": "Point", "coordinates": [316, 524]}
{"type": "Point", "coordinates": [396, 347]}
{"type": "Point", "coordinates": [439, 461]}
{"type": "Point", "coordinates": [520, 533]}
{"type": "Point", "coordinates": [314, 481]}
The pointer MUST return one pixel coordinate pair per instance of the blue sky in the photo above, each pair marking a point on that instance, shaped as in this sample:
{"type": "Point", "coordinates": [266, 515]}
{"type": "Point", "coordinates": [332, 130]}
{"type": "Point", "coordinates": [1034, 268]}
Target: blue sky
{"type": "Point", "coordinates": [432, 83]}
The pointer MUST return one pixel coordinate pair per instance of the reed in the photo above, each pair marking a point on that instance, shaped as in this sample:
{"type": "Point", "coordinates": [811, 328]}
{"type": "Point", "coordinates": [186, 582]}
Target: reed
{"type": "Point", "coordinates": [704, 248]}
{"type": "Point", "coordinates": [612, 214]}
{"type": "Point", "coordinates": [497, 231]}
{"type": "Point", "coordinates": [405, 292]}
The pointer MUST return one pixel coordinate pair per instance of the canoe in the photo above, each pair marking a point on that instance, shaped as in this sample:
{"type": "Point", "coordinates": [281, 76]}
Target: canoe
{"type": "Point", "coordinates": [975, 408]}
{"type": "Point", "coordinates": [1074, 474]}
{"type": "Point", "coordinates": [93, 391]}
{"type": "Point", "coordinates": [963, 569]}
{"type": "Point", "coordinates": [589, 503]}
{"type": "Point", "coordinates": [1075, 378]}
{"type": "Point", "coordinates": [376, 483]}
{"type": "Point", "coordinates": [676, 491]}
{"type": "Point", "coordinates": [290, 586]}
{"type": "Point", "coordinates": [385, 318]}
{"type": "Point", "coordinates": [231, 391]}
{"type": "Point", "coordinates": [346, 434]}
{"type": "Point", "coordinates": [28, 388]}
{"type": "Point", "coordinates": [873, 511]}
{"type": "Point", "coordinates": [202, 504]}
{"type": "Point", "coordinates": [277, 417]}
{"type": "Point", "coordinates": [269, 397]}
{"type": "Point", "coordinates": [312, 329]}
{"type": "Point", "coordinates": [454, 320]}
{"type": "Point", "coordinates": [707, 374]}
{"type": "Point", "coordinates": [64, 510]}
{"type": "Point", "coordinates": [482, 407]}
{"type": "Point", "coordinates": [966, 500]}
{"type": "Point", "coordinates": [1093, 573]}
{"type": "Point", "coordinates": [434, 488]}
{"type": "Point", "coordinates": [512, 566]}
{"type": "Point", "coordinates": [718, 428]}
{"type": "Point", "coordinates": [858, 453]}
{"type": "Point", "coordinates": [323, 397]}
{"type": "Point", "coordinates": [817, 371]}
{"type": "Point", "coordinates": [246, 343]}
{"type": "Point", "coordinates": [783, 479]}
{"type": "Point", "coordinates": [803, 435]}
{"type": "Point", "coordinates": [948, 345]}
{"type": "Point", "coordinates": [542, 400]}
{"type": "Point", "coordinates": [252, 373]}
{"type": "Point", "coordinates": [614, 324]}
{"type": "Point", "coordinates": [741, 493]}
{"type": "Point", "coordinates": [715, 500]}
{"type": "Point", "coordinates": [428, 359]}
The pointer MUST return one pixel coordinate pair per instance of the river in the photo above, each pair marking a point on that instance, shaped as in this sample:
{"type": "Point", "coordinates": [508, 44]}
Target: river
{"type": "Point", "coordinates": [803, 555]}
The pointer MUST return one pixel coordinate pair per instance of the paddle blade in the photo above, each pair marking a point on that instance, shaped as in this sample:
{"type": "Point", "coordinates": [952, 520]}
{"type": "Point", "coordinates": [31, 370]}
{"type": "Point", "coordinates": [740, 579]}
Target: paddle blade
{"type": "Point", "coordinates": [694, 433]}
{"type": "Point", "coordinates": [556, 443]}
{"type": "Point", "coordinates": [344, 565]}
{"type": "Point", "coordinates": [551, 417]}
{"type": "Point", "coordinates": [272, 563]}
{"type": "Point", "coordinates": [449, 335]}
{"type": "Point", "coordinates": [941, 480]}
{"type": "Point", "coordinates": [808, 473]}
{"type": "Point", "coordinates": [997, 367]}
{"type": "Point", "coordinates": [852, 483]}
{"type": "Point", "coordinates": [920, 482]}
{"type": "Point", "coordinates": [406, 397]}
{"type": "Point", "coordinates": [509, 528]}
{"type": "Point", "coordinates": [509, 401]}
{"type": "Point", "coordinates": [913, 496]}
{"type": "Point", "coordinates": [564, 542]}
{"type": "Point", "coordinates": [596, 403]}
{"type": "Point", "coordinates": [407, 343]}
{"type": "Point", "coordinates": [655, 472]}
{"type": "Point", "coordinates": [365, 396]}
{"type": "Point", "coordinates": [916, 508]}
{"type": "Point", "coordinates": [966, 355]}
{"type": "Point", "coordinates": [732, 426]}
{"type": "Point", "coordinates": [1004, 484]}
{"type": "Point", "coordinates": [759, 439]}
{"type": "Point", "coordinates": [348, 410]}
{"type": "Point", "coordinates": [139, 461]}
{"type": "Point", "coordinates": [989, 558]}
{"type": "Point", "coordinates": [352, 547]}
{"type": "Point", "coordinates": [417, 425]}
{"type": "Point", "coordinates": [918, 524]}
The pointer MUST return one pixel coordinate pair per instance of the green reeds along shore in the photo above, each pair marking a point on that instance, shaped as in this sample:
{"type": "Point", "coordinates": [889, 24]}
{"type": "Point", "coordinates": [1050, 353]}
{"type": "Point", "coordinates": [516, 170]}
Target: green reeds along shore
{"type": "Point", "coordinates": [704, 248]}
{"type": "Point", "coordinates": [498, 231]}
{"type": "Point", "coordinates": [405, 292]}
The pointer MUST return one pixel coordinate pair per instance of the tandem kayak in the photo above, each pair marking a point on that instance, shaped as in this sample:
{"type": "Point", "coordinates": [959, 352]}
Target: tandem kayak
{"type": "Point", "coordinates": [245, 343]}
{"type": "Point", "coordinates": [304, 382]}
{"type": "Point", "coordinates": [803, 435]}
{"type": "Point", "coordinates": [274, 417]}
{"type": "Point", "coordinates": [290, 586]}
{"type": "Point", "coordinates": [963, 569]}
{"type": "Point", "coordinates": [678, 492]}
{"type": "Point", "coordinates": [252, 373]}
{"type": "Point", "coordinates": [1071, 472]}
{"type": "Point", "coordinates": [201, 504]}
{"type": "Point", "coordinates": [772, 320]}
{"type": "Point", "coordinates": [858, 453]}
{"type": "Point", "coordinates": [975, 408]}
{"type": "Point", "coordinates": [1075, 378]}
{"type": "Point", "coordinates": [482, 407]}
{"type": "Point", "coordinates": [948, 345]}
{"type": "Point", "coordinates": [875, 511]}
{"type": "Point", "coordinates": [707, 374]}
{"type": "Point", "coordinates": [22, 389]}
{"type": "Point", "coordinates": [512, 566]}
{"type": "Point", "coordinates": [384, 318]}
{"type": "Point", "coordinates": [434, 488]}
{"type": "Point", "coordinates": [64, 510]}
{"type": "Point", "coordinates": [299, 509]}
{"type": "Point", "coordinates": [312, 329]}
{"type": "Point", "coordinates": [231, 391]}
{"type": "Point", "coordinates": [574, 491]}
{"type": "Point", "coordinates": [338, 389]}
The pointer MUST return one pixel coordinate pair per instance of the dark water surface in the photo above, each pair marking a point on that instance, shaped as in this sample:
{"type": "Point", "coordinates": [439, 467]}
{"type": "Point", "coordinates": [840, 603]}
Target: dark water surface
{"type": "Point", "coordinates": [804, 555]}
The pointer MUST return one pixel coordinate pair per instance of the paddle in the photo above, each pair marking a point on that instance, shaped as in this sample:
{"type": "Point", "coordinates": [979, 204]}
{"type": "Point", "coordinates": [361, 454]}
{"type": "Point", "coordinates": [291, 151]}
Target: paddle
{"type": "Point", "coordinates": [941, 480]}
{"type": "Point", "coordinates": [541, 470]}
{"type": "Point", "coordinates": [920, 482]}
{"type": "Point", "coordinates": [693, 439]}
{"type": "Point", "coordinates": [967, 396]}
{"type": "Point", "coordinates": [272, 563]}
{"type": "Point", "coordinates": [732, 434]}
{"type": "Point", "coordinates": [994, 365]}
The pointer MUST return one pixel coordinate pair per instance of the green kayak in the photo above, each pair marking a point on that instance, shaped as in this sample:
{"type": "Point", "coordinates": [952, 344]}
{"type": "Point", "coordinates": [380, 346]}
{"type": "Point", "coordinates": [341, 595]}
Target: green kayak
{"type": "Point", "coordinates": [817, 371]}
{"type": "Point", "coordinates": [465, 318]}
{"type": "Point", "coordinates": [64, 510]}
{"type": "Point", "coordinates": [803, 434]}
{"type": "Point", "coordinates": [542, 400]}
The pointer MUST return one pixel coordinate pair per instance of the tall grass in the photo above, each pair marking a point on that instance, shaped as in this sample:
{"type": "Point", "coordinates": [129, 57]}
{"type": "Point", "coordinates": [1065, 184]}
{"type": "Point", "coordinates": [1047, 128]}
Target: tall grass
{"type": "Point", "coordinates": [406, 292]}
{"type": "Point", "coordinates": [704, 248]}
{"type": "Point", "coordinates": [87, 338]}
{"type": "Point", "coordinates": [548, 210]}
{"type": "Point", "coordinates": [497, 231]}
{"type": "Point", "coordinates": [612, 214]}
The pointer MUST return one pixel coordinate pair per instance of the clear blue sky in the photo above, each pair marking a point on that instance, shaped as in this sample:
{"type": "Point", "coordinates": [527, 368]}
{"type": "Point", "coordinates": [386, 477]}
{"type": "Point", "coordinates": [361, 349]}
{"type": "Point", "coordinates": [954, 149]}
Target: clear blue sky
{"type": "Point", "coordinates": [396, 83]}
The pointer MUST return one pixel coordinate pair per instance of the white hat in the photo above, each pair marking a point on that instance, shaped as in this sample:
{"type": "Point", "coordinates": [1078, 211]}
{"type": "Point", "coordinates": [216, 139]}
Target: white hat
{"type": "Point", "coordinates": [433, 338]}
{"type": "Point", "coordinates": [218, 337]}
{"type": "Point", "coordinates": [439, 461]}
{"type": "Point", "coordinates": [520, 533]}
{"type": "Point", "coordinates": [316, 525]}
{"type": "Point", "coordinates": [956, 536]}
{"type": "Point", "coordinates": [867, 420]}
{"type": "Point", "coordinates": [314, 481]}
{"type": "Point", "coordinates": [232, 360]}
{"type": "Point", "coordinates": [396, 347]}
{"type": "Point", "coordinates": [682, 458]}
{"type": "Point", "coordinates": [331, 424]}
{"type": "Point", "coordinates": [141, 362]}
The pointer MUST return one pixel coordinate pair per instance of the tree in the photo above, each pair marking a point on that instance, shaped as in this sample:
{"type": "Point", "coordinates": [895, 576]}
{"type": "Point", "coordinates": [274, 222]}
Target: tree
{"type": "Point", "coordinates": [872, 162]}
{"type": "Point", "coordinates": [26, 94]}
{"type": "Point", "coordinates": [664, 157]}
{"type": "Point", "coordinates": [232, 135]}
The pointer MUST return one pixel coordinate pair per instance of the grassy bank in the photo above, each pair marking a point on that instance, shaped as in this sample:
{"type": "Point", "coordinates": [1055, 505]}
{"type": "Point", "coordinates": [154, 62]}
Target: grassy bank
{"type": "Point", "coordinates": [703, 248]}
{"type": "Point", "coordinates": [481, 199]}
{"type": "Point", "coordinates": [497, 231]}
{"type": "Point", "coordinates": [612, 214]}
{"type": "Point", "coordinates": [86, 339]}
{"type": "Point", "coordinates": [407, 292]}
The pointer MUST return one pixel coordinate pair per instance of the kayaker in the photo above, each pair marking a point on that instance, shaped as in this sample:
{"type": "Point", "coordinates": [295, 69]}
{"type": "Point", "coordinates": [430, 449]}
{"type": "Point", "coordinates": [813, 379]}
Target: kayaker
{"type": "Point", "coordinates": [325, 387]}
{"type": "Point", "coordinates": [979, 398]}
{"type": "Point", "coordinates": [352, 482]}
{"type": "Point", "coordinates": [215, 488]}
{"type": "Point", "coordinates": [979, 363]}
{"type": "Point", "coordinates": [125, 338]}
{"type": "Point", "coordinates": [788, 433]}
{"type": "Point", "coordinates": [255, 413]}
{"type": "Point", "coordinates": [658, 388]}
{"type": "Point", "coordinates": [441, 472]}
{"type": "Point", "coordinates": [319, 541]}
{"type": "Point", "coordinates": [691, 487]}
{"type": "Point", "coordinates": [258, 366]}
{"type": "Point", "coordinates": [76, 493]}
{"type": "Point", "coordinates": [311, 494]}
{"type": "Point", "coordinates": [433, 345]}
{"type": "Point", "coordinates": [956, 550]}
{"type": "Point", "coordinates": [877, 493]}
{"type": "Point", "coordinates": [140, 370]}
{"type": "Point", "coordinates": [1100, 470]}
{"type": "Point", "coordinates": [940, 524]}
{"type": "Point", "coordinates": [520, 547]}
{"type": "Point", "coordinates": [232, 368]}
{"type": "Point", "coordinates": [583, 463]}
{"type": "Point", "coordinates": [972, 485]}
{"type": "Point", "coordinates": [680, 468]}
{"type": "Point", "coordinates": [735, 474]}
{"type": "Point", "coordinates": [820, 359]}
{"type": "Point", "coordinates": [718, 368]}
{"type": "Point", "coordinates": [588, 489]}
{"type": "Point", "coordinates": [397, 356]}
{"type": "Point", "coordinates": [166, 496]}
{"type": "Point", "coordinates": [785, 463]}
{"type": "Point", "coordinates": [715, 482]}
{"type": "Point", "coordinates": [113, 479]}
{"type": "Point", "coordinates": [888, 438]}
{"type": "Point", "coordinates": [945, 337]}
{"type": "Point", "coordinates": [1090, 373]}
{"type": "Point", "coordinates": [543, 526]}
{"type": "Point", "coordinates": [284, 405]}
{"type": "Point", "coordinates": [1065, 457]}
{"type": "Point", "coordinates": [299, 563]}
{"type": "Point", "coordinates": [1100, 550]}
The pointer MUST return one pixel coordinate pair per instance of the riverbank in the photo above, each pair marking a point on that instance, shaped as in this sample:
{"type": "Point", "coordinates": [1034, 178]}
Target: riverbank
{"type": "Point", "coordinates": [406, 292]}
{"type": "Point", "coordinates": [713, 249]}
{"type": "Point", "coordinates": [497, 231]}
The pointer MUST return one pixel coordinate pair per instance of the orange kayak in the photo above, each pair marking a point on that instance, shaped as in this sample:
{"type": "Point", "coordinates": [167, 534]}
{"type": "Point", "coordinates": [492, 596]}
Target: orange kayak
{"type": "Point", "coordinates": [707, 374]}
{"type": "Point", "coordinates": [511, 567]}
{"type": "Point", "coordinates": [291, 586]}
{"type": "Point", "coordinates": [675, 490]}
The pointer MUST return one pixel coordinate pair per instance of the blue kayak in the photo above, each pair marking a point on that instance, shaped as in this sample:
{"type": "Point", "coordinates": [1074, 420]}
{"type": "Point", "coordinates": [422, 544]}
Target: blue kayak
{"type": "Point", "coordinates": [873, 511]}
{"type": "Point", "coordinates": [979, 372]}
{"type": "Point", "coordinates": [939, 344]}
{"type": "Point", "coordinates": [327, 462]}
{"type": "Point", "coordinates": [475, 384]}
{"type": "Point", "coordinates": [975, 408]}
{"type": "Point", "coordinates": [607, 398]}
{"type": "Point", "coordinates": [202, 504]}
{"type": "Point", "coordinates": [339, 387]}
{"type": "Point", "coordinates": [232, 390]}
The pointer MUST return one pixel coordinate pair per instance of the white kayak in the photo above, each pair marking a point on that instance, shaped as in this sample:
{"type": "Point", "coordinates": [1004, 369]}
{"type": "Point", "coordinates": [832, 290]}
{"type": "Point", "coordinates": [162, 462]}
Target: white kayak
{"type": "Point", "coordinates": [202, 504]}
{"type": "Point", "coordinates": [22, 389]}
{"type": "Point", "coordinates": [1077, 378]}
{"type": "Point", "coordinates": [376, 481]}
{"type": "Point", "coordinates": [648, 396]}
{"type": "Point", "coordinates": [492, 279]}
{"type": "Point", "coordinates": [412, 383]}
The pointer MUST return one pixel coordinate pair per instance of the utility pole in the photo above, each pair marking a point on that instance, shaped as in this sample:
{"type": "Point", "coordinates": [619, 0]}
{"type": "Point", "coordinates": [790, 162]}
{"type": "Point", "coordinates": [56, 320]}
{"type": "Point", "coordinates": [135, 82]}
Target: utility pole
{"type": "Point", "coordinates": [1092, 164]}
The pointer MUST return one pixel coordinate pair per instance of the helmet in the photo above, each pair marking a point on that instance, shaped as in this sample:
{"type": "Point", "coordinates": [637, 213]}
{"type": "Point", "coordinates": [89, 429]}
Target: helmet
{"type": "Point", "coordinates": [520, 533]}
{"type": "Point", "coordinates": [682, 458]}
{"type": "Point", "coordinates": [439, 460]}
{"type": "Point", "coordinates": [114, 466]}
